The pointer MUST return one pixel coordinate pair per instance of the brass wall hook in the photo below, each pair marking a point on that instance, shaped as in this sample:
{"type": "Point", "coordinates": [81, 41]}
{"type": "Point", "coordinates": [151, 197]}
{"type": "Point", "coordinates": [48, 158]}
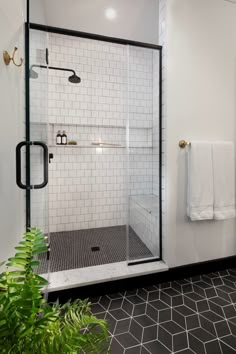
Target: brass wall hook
{"type": "Point", "coordinates": [7, 58]}
{"type": "Point", "coordinates": [184, 143]}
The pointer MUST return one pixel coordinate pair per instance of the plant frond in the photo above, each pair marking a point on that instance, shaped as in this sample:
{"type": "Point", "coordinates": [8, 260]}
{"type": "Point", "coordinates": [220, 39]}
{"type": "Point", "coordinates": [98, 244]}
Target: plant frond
{"type": "Point", "coordinates": [28, 324]}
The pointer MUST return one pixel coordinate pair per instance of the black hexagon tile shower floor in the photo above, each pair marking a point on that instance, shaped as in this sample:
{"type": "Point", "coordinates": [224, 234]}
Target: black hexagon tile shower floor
{"type": "Point", "coordinates": [194, 315]}
{"type": "Point", "coordinates": [91, 247]}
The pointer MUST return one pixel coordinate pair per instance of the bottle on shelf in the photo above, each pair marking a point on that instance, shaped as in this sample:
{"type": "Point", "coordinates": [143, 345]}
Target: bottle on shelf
{"type": "Point", "coordinates": [59, 138]}
{"type": "Point", "coordinates": [64, 138]}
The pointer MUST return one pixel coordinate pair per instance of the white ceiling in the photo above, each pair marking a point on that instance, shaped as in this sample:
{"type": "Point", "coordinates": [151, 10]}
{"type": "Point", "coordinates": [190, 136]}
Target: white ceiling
{"type": "Point", "coordinates": [135, 19]}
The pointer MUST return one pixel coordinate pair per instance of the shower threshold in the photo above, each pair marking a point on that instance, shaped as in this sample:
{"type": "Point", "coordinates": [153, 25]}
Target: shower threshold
{"type": "Point", "coordinates": [76, 278]}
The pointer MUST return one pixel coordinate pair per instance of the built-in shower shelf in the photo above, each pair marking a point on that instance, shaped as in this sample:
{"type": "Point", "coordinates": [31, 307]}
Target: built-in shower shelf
{"type": "Point", "coordinates": [99, 146]}
{"type": "Point", "coordinates": [99, 125]}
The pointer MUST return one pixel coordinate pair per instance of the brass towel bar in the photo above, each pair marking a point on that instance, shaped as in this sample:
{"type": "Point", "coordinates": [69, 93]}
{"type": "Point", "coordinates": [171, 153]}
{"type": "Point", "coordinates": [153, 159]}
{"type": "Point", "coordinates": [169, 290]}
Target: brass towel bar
{"type": "Point", "coordinates": [184, 143]}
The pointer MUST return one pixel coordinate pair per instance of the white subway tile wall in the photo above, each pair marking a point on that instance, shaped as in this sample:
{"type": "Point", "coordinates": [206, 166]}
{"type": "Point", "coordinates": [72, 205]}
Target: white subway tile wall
{"type": "Point", "coordinates": [117, 103]}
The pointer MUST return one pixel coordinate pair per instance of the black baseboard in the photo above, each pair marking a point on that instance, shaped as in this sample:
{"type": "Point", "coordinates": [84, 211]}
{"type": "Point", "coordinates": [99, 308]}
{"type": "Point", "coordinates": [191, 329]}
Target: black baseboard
{"type": "Point", "coordinates": [185, 271]}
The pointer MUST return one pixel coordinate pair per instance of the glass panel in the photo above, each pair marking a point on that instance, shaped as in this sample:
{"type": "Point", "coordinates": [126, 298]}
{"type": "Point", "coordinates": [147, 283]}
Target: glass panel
{"type": "Point", "coordinates": [88, 175]}
{"type": "Point", "coordinates": [38, 132]}
{"type": "Point", "coordinates": [143, 141]}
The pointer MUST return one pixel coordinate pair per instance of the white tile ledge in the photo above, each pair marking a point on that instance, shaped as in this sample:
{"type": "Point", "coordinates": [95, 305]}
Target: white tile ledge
{"type": "Point", "coordinates": [99, 274]}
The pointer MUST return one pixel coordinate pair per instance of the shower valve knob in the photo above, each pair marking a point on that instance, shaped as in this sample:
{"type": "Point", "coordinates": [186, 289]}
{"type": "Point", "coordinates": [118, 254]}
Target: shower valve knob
{"type": "Point", "coordinates": [50, 157]}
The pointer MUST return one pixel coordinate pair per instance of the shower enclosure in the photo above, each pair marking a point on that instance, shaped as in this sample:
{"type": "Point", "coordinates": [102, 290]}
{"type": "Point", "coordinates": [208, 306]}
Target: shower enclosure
{"type": "Point", "coordinates": [101, 200]}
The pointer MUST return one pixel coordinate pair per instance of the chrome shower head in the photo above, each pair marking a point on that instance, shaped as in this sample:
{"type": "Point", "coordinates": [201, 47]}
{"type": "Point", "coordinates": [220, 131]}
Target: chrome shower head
{"type": "Point", "coordinates": [74, 79]}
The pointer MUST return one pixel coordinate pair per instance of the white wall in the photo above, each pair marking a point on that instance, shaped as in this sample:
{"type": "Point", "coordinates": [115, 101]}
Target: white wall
{"type": "Point", "coordinates": [37, 11]}
{"type": "Point", "coordinates": [201, 104]}
{"type": "Point", "coordinates": [136, 19]}
{"type": "Point", "coordinates": [11, 117]}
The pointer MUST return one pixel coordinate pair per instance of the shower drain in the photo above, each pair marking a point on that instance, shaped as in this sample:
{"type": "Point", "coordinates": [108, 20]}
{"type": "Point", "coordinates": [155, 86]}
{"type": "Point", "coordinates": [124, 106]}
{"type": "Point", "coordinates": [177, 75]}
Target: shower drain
{"type": "Point", "coordinates": [95, 248]}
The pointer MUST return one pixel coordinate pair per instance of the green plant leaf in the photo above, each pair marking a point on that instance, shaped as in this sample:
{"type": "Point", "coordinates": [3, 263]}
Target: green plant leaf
{"type": "Point", "coordinates": [15, 264]}
{"type": "Point", "coordinates": [39, 244]}
{"type": "Point", "coordinates": [34, 263]}
{"type": "Point", "coordinates": [41, 279]}
{"type": "Point", "coordinates": [23, 248]}
{"type": "Point", "coordinates": [18, 260]}
{"type": "Point", "coordinates": [22, 255]}
{"type": "Point", "coordinates": [39, 251]}
{"type": "Point", "coordinates": [16, 273]}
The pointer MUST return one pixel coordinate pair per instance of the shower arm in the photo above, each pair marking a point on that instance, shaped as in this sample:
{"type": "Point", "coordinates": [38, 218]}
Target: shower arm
{"type": "Point", "coordinates": [52, 68]}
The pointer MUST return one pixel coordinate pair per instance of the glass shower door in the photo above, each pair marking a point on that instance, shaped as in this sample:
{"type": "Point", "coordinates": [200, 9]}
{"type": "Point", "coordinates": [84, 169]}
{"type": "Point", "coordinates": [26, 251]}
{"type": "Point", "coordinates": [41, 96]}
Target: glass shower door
{"type": "Point", "coordinates": [144, 153]}
{"type": "Point", "coordinates": [38, 129]}
{"type": "Point", "coordinates": [32, 154]}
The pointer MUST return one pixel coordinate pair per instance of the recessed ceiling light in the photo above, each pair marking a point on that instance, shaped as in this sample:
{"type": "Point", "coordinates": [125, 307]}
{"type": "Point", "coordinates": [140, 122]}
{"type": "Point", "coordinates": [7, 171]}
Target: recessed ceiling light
{"type": "Point", "coordinates": [110, 13]}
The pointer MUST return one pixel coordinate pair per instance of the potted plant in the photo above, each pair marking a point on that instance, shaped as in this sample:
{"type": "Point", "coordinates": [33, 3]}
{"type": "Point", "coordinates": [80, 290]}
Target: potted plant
{"type": "Point", "coordinates": [29, 324]}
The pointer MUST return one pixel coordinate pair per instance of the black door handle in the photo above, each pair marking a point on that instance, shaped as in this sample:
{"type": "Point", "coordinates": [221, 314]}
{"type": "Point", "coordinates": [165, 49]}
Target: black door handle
{"type": "Point", "coordinates": [18, 165]}
{"type": "Point", "coordinates": [45, 165]}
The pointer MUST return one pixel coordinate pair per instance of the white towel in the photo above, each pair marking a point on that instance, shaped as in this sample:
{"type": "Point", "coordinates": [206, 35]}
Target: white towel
{"type": "Point", "coordinates": [200, 181]}
{"type": "Point", "coordinates": [224, 180]}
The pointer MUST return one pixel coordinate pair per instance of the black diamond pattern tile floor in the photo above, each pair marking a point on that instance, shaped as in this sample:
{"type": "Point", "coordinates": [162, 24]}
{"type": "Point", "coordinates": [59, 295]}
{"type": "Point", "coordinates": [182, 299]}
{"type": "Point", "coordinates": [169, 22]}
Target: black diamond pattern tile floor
{"type": "Point", "coordinates": [187, 316]}
{"type": "Point", "coordinates": [73, 249]}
